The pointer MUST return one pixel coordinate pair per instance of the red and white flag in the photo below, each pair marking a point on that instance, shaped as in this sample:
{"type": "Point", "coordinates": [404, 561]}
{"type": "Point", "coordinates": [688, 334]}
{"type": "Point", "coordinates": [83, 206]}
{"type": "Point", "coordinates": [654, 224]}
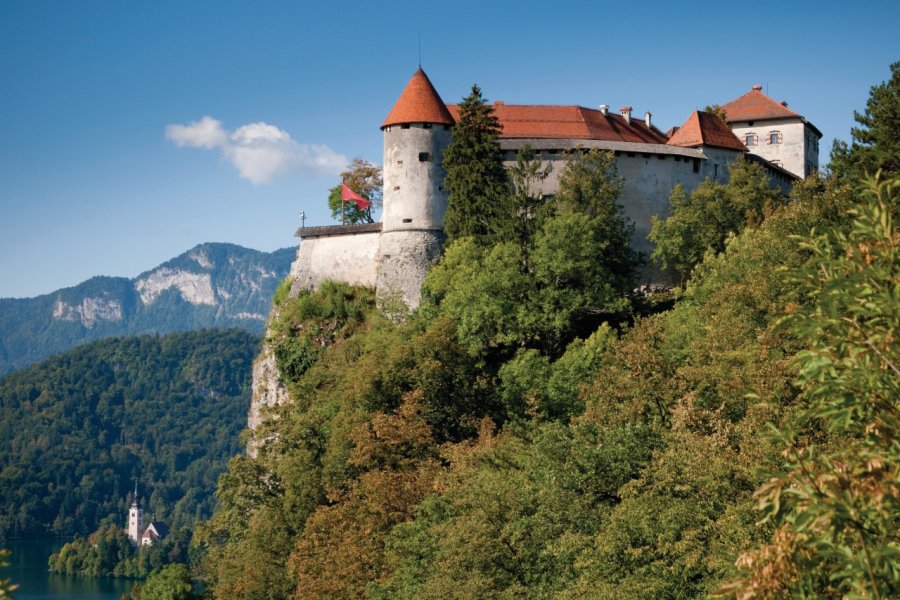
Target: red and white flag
{"type": "Point", "coordinates": [348, 194]}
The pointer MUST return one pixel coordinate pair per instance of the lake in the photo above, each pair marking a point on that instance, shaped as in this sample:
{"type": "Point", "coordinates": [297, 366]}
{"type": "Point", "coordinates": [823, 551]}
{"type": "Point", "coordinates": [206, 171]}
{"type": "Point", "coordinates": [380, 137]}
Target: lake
{"type": "Point", "coordinates": [28, 568]}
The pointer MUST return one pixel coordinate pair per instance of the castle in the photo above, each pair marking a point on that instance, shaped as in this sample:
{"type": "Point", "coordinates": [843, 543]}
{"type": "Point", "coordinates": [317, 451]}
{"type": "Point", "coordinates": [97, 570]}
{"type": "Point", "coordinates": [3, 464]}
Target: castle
{"type": "Point", "coordinates": [394, 256]}
{"type": "Point", "coordinates": [137, 532]}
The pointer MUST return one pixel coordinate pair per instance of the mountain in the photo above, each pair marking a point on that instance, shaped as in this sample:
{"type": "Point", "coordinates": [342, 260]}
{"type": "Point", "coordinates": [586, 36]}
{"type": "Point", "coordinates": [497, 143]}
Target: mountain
{"type": "Point", "coordinates": [211, 285]}
{"type": "Point", "coordinates": [78, 428]}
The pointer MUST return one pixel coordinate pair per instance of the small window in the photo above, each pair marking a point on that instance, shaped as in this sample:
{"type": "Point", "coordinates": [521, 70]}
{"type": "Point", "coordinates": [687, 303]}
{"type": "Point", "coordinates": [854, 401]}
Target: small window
{"type": "Point", "coordinates": [396, 187]}
{"type": "Point", "coordinates": [426, 125]}
{"type": "Point", "coordinates": [774, 137]}
{"type": "Point", "coordinates": [446, 128]}
{"type": "Point", "coordinates": [631, 154]}
{"type": "Point", "coordinates": [407, 220]}
{"type": "Point", "coordinates": [404, 126]}
{"type": "Point", "coordinates": [661, 156]}
{"type": "Point", "coordinates": [751, 139]}
{"type": "Point", "coordinates": [696, 165]}
{"type": "Point", "coordinates": [424, 156]}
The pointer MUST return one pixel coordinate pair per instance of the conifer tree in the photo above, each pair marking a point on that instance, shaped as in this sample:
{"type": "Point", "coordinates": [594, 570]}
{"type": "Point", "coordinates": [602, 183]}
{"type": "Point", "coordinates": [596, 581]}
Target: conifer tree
{"type": "Point", "coordinates": [476, 180]}
{"type": "Point", "coordinates": [876, 142]}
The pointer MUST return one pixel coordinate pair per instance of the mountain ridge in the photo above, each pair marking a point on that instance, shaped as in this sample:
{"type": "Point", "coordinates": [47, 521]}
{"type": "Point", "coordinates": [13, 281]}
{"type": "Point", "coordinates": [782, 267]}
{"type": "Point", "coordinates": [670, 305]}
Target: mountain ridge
{"type": "Point", "coordinates": [212, 284]}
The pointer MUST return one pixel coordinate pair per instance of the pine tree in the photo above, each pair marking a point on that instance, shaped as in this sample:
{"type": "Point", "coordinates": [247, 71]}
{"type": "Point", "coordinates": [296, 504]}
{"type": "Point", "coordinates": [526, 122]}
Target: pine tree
{"type": "Point", "coordinates": [876, 142]}
{"type": "Point", "coordinates": [476, 180]}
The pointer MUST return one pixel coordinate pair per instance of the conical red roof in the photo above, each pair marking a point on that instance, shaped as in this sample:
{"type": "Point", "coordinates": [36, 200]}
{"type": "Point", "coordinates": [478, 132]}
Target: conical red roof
{"type": "Point", "coordinates": [419, 103]}
{"type": "Point", "coordinates": [705, 129]}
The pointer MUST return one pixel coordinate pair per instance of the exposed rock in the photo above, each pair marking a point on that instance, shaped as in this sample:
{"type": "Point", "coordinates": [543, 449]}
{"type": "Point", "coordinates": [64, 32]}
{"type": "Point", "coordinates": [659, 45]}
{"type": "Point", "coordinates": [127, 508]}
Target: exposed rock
{"type": "Point", "coordinates": [268, 391]}
{"type": "Point", "coordinates": [195, 288]}
{"type": "Point", "coordinates": [89, 311]}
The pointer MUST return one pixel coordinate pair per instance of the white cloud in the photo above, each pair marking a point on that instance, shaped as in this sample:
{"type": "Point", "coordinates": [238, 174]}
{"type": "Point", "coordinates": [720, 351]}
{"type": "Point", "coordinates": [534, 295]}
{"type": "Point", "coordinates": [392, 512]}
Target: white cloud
{"type": "Point", "coordinates": [258, 151]}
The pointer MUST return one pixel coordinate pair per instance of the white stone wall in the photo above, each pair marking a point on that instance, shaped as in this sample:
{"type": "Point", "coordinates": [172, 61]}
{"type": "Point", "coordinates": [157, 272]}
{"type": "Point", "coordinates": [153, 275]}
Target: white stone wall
{"type": "Point", "coordinates": [352, 258]}
{"type": "Point", "coordinates": [794, 152]}
{"type": "Point", "coordinates": [406, 257]}
{"type": "Point", "coordinates": [414, 195]}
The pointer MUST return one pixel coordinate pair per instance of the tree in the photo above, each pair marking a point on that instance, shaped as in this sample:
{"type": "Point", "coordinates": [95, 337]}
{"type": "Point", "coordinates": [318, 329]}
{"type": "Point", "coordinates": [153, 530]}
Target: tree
{"type": "Point", "coordinates": [528, 207]}
{"type": "Point", "coordinates": [172, 582]}
{"type": "Point", "coordinates": [876, 142]}
{"type": "Point", "coordinates": [365, 179]}
{"type": "Point", "coordinates": [836, 506]}
{"type": "Point", "coordinates": [701, 222]}
{"type": "Point", "coordinates": [6, 586]}
{"type": "Point", "coordinates": [589, 186]}
{"type": "Point", "coordinates": [476, 181]}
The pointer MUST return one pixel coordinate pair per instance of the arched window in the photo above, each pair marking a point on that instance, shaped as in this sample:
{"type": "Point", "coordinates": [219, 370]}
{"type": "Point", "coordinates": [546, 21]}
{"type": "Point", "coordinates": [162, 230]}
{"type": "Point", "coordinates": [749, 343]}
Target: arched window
{"type": "Point", "coordinates": [774, 137]}
{"type": "Point", "coordinates": [751, 139]}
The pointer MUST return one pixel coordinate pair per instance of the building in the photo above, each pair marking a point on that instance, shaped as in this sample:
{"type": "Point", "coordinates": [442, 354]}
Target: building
{"type": "Point", "coordinates": [394, 256]}
{"type": "Point", "coordinates": [137, 532]}
{"type": "Point", "coordinates": [771, 130]}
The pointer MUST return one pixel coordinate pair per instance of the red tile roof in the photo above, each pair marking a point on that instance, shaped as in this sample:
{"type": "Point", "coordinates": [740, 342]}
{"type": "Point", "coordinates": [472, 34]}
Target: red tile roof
{"type": "Point", "coordinates": [569, 122]}
{"type": "Point", "coordinates": [756, 105]}
{"type": "Point", "coordinates": [419, 103]}
{"type": "Point", "coordinates": [705, 129]}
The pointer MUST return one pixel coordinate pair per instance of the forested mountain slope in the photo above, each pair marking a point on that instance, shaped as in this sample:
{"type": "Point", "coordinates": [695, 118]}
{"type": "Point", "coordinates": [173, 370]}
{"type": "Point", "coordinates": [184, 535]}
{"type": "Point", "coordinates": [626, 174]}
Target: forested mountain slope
{"type": "Point", "coordinates": [77, 429]}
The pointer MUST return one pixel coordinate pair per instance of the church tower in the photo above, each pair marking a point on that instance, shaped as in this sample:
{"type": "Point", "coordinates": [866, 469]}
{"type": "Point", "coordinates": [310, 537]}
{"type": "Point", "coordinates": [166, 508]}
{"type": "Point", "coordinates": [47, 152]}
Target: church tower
{"type": "Point", "coordinates": [416, 133]}
{"type": "Point", "coordinates": [135, 520]}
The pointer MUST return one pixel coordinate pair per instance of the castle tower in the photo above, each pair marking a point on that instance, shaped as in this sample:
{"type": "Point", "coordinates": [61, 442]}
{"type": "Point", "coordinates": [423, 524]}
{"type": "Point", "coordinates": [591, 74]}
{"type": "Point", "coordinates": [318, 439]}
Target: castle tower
{"type": "Point", "coordinates": [416, 133]}
{"type": "Point", "coordinates": [135, 520]}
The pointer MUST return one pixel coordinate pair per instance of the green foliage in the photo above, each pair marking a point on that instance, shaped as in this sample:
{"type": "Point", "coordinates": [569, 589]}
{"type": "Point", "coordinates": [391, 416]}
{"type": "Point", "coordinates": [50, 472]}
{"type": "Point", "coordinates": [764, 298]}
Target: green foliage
{"type": "Point", "coordinates": [542, 292]}
{"type": "Point", "coordinates": [476, 181]}
{"type": "Point", "coordinates": [77, 429]}
{"type": "Point", "coordinates": [6, 586]}
{"type": "Point", "coordinates": [837, 504]}
{"type": "Point", "coordinates": [528, 208]}
{"type": "Point", "coordinates": [702, 221]}
{"type": "Point", "coordinates": [172, 582]}
{"type": "Point", "coordinates": [365, 179]}
{"type": "Point", "coordinates": [876, 141]}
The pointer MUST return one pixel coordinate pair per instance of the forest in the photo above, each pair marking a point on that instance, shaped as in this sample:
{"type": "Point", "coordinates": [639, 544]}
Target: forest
{"type": "Point", "coordinates": [537, 430]}
{"type": "Point", "coordinates": [80, 428]}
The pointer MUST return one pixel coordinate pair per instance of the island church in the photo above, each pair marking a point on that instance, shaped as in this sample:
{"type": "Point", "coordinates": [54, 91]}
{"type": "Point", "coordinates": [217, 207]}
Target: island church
{"type": "Point", "coordinates": [394, 256]}
{"type": "Point", "coordinates": [139, 534]}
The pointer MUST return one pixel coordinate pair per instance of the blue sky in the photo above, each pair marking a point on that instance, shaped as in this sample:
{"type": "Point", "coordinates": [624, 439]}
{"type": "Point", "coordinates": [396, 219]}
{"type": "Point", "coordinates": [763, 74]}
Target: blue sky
{"type": "Point", "coordinates": [103, 173]}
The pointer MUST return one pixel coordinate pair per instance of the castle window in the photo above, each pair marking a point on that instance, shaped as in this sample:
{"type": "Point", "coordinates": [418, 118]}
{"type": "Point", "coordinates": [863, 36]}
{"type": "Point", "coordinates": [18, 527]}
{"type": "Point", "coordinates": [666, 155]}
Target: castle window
{"type": "Point", "coordinates": [424, 156]}
{"type": "Point", "coordinates": [751, 139]}
{"type": "Point", "coordinates": [446, 128]}
{"type": "Point", "coordinates": [404, 126]}
{"type": "Point", "coordinates": [774, 137]}
{"type": "Point", "coordinates": [696, 165]}
{"type": "Point", "coordinates": [426, 125]}
{"type": "Point", "coordinates": [407, 220]}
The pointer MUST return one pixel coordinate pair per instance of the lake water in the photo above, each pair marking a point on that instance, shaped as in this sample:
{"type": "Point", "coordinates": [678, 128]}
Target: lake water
{"type": "Point", "coordinates": [28, 568]}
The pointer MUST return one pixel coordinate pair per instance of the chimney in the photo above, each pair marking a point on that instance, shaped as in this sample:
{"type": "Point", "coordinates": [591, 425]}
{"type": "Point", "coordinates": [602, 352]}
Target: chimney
{"type": "Point", "coordinates": [647, 117]}
{"type": "Point", "coordinates": [625, 111]}
{"type": "Point", "coordinates": [757, 88]}
{"type": "Point", "coordinates": [604, 108]}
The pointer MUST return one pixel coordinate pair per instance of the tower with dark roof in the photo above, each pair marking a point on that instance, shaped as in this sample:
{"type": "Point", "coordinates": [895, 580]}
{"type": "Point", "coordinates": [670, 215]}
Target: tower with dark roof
{"type": "Point", "coordinates": [416, 132]}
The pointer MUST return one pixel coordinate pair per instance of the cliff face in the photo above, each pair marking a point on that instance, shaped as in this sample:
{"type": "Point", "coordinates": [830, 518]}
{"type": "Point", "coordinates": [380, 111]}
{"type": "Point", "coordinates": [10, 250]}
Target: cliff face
{"type": "Point", "coordinates": [267, 390]}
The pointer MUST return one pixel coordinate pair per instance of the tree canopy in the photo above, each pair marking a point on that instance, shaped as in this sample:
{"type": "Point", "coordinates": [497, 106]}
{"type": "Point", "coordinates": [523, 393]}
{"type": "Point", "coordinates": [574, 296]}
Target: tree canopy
{"type": "Point", "coordinates": [875, 144]}
{"type": "Point", "coordinates": [476, 181]}
{"type": "Point", "coordinates": [365, 179]}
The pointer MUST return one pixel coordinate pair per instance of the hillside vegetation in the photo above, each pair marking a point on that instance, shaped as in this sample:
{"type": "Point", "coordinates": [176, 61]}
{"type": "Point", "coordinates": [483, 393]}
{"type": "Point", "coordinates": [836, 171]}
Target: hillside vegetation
{"type": "Point", "coordinates": [77, 429]}
{"type": "Point", "coordinates": [534, 431]}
